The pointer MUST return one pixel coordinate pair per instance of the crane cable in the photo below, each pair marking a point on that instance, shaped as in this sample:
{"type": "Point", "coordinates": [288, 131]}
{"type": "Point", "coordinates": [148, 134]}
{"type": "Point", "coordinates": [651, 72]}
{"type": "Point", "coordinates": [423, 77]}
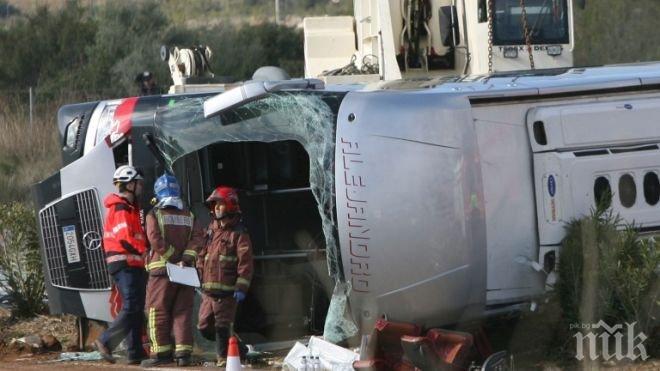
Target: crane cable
{"type": "Point", "coordinates": [526, 33]}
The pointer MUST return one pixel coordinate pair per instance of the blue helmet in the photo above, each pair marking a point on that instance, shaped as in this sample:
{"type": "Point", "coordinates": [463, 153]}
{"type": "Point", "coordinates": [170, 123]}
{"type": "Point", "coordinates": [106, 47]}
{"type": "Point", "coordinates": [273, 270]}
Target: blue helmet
{"type": "Point", "coordinates": [167, 186]}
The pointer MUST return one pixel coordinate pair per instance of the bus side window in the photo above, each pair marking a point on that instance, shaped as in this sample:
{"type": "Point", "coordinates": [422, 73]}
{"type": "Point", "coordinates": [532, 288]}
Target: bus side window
{"type": "Point", "coordinates": [120, 153]}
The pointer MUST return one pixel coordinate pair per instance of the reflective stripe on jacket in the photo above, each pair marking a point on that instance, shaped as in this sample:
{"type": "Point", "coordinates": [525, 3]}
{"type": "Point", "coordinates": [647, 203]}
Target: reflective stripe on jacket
{"type": "Point", "coordinates": [173, 236]}
{"type": "Point", "coordinates": [226, 261]}
{"type": "Point", "coordinates": [124, 241]}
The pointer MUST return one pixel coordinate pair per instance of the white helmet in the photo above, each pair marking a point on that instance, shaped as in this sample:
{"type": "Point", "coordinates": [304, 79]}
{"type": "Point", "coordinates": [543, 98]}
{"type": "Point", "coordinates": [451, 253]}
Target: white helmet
{"type": "Point", "coordinates": [126, 174]}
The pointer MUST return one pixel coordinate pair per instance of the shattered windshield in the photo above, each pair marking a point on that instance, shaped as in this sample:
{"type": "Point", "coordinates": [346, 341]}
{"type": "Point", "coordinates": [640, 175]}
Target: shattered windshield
{"type": "Point", "coordinates": [547, 21]}
{"type": "Point", "coordinates": [308, 118]}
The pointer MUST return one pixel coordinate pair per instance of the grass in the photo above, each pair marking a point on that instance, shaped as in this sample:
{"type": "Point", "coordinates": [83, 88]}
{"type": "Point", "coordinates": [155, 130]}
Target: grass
{"type": "Point", "coordinates": [28, 153]}
{"type": "Point", "coordinates": [616, 31]}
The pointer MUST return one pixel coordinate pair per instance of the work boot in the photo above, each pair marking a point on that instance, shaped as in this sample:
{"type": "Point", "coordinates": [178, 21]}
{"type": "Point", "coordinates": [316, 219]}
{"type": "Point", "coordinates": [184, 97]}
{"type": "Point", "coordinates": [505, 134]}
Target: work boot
{"type": "Point", "coordinates": [155, 361]}
{"type": "Point", "coordinates": [105, 353]}
{"type": "Point", "coordinates": [183, 361]}
{"type": "Point", "coordinates": [221, 341]}
{"type": "Point", "coordinates": [134, 361]}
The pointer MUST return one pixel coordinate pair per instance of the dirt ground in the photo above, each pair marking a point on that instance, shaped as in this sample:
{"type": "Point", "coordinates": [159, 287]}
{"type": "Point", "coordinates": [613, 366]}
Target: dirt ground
{"type": "Point", "coordinates": [526, 336]}
{"type": "Point", "coordinates": [16, 355]}
{"type": "Point", "coordinates": [49, 361]}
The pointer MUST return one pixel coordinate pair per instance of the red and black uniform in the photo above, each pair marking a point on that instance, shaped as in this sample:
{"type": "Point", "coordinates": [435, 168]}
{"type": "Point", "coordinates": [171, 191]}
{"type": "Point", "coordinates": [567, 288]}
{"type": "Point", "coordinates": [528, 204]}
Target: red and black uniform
{"type": "Point", "coordinates": [174, 237]}
{"type": "Point", "coordinates": [226, 265]}
{"type": "Point", "coordinates": [124, 244]}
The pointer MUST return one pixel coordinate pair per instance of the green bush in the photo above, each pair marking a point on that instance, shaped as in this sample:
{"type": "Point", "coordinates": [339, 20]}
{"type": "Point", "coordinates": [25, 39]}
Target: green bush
{"type": "Point", "coordinates": [607, 271]}
{"type": "Point", "coordinates": [20, 261]}
{"type": "Point", "coordinates": [97, 52]}
{"type": "Point", "coordinates": [615, 31]}
{"type": "Point", "coordinates": [238, 52]}
{"type": "Point", "coordinates": [45, 49]}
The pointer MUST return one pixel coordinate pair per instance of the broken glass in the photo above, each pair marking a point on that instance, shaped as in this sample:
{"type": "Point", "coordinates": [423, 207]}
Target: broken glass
{"type": "Point", "coordinates": [306, 117]}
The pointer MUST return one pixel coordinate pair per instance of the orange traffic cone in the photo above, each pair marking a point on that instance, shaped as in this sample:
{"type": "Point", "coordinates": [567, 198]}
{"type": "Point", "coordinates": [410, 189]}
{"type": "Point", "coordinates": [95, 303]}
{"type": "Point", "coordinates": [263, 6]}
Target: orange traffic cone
{"type": "Point", "coordinates": [233, 358]}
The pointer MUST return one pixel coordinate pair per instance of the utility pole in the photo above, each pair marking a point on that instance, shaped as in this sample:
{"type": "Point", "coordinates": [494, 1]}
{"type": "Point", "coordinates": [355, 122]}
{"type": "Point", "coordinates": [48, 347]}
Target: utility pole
{"type": "Point", "coordinates": [277, 11]}
{"type": "Point", "coordinates": [31, 105]}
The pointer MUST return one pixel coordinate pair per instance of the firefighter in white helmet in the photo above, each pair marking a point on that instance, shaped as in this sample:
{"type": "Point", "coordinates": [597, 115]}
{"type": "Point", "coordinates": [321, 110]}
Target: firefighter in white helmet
{"type": "Point", "coordinates": [124, 243]}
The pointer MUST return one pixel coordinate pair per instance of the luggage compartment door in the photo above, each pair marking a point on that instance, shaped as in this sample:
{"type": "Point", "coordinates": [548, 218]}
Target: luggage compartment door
{"type": "Point", "coordinates": [583, 152]}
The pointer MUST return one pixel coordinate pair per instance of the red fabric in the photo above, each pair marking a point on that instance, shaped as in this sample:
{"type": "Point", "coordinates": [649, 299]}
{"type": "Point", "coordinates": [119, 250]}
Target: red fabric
{"type": "Point", "coordinates": [385, 343]}
{"type": "Point", "coordinates": [122, 230]}
{"type": "Point", "coordinates": [122, 120]}
{"type": "Point", "coordinates": [115, 301]}
{"type": "Point", "coordinates": [451, 346]}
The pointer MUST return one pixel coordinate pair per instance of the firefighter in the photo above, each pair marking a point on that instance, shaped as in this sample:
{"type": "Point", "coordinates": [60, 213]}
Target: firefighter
{"type": "Point", "coordinates": [174, 237]}
{"type": "Point", "coordinates": [147, 83]}
{"type": "Point", "coordinates": [124, 244]}
{"type": "Point", "coordinates": [226, 268]}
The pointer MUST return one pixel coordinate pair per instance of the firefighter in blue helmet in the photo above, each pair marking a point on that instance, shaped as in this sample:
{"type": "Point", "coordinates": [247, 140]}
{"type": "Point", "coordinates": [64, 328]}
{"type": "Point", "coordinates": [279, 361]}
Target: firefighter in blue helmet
{"type": "Point", "coordinates": [173, 237]}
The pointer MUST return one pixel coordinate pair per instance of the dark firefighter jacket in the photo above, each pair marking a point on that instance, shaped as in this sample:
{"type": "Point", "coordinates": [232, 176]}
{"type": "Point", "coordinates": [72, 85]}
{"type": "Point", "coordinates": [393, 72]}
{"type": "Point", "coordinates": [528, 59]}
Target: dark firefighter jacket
{"type": "Point", "coordinates": [226, 261]}
{"type": "Point", "coordinates": [174, 236]}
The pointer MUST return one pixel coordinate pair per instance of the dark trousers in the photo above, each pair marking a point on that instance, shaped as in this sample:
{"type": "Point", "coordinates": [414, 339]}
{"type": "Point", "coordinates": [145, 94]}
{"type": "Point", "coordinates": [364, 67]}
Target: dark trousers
{"type": "Point", "coordinates": [216, 313]}
{"type": "Point", "coordinates": [129, 323]}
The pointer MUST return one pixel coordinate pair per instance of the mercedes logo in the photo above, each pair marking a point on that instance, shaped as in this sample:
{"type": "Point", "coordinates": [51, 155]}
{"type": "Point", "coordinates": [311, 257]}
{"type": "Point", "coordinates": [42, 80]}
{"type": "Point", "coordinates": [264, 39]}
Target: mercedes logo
{"type": "Point", "coordinates": [92, 240]}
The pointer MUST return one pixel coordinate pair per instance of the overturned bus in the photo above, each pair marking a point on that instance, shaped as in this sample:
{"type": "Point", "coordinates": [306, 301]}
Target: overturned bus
{"type": "Point", "coordinates": [433, 201]}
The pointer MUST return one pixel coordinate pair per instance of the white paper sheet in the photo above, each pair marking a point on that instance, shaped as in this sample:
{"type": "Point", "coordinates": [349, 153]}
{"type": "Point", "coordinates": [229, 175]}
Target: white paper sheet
{"type": "Point", "coordinates": [182, 275]}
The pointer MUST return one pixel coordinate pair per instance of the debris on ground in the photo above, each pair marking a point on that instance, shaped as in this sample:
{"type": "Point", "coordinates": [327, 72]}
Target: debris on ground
{"type": "Point", "coordinates": [32, 342]}
{"type": "Point", "coordinates": [268, 360]}
{"type": "Point", "coordinates": [80, 356]}
{"type": "Point", "coordinates": [293, 360]}
{"type": "Point", "coordinates": [39, 334]}
{"type": "Point", "coordinates": [320, 354]}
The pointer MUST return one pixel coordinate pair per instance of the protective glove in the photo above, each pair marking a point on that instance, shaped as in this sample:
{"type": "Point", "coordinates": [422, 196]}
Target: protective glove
{"type": "Point", "coordinates": [239, 296]}
{"type": "Point", "coordinates": [188, 261]}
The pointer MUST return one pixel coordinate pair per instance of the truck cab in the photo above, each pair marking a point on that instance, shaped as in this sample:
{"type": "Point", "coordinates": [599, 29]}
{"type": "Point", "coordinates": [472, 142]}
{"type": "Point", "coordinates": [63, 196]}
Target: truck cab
{"type": "Point", "coordinates": [391, 39]}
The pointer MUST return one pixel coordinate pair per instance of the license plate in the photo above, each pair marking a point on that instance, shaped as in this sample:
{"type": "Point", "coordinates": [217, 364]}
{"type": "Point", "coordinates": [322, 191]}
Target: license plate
{"type": "Point", "coordinates": [71, 244]}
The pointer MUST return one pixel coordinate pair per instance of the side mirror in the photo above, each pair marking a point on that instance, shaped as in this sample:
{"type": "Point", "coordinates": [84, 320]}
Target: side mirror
{"type": "Point", "coordinates": [449, 31]}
